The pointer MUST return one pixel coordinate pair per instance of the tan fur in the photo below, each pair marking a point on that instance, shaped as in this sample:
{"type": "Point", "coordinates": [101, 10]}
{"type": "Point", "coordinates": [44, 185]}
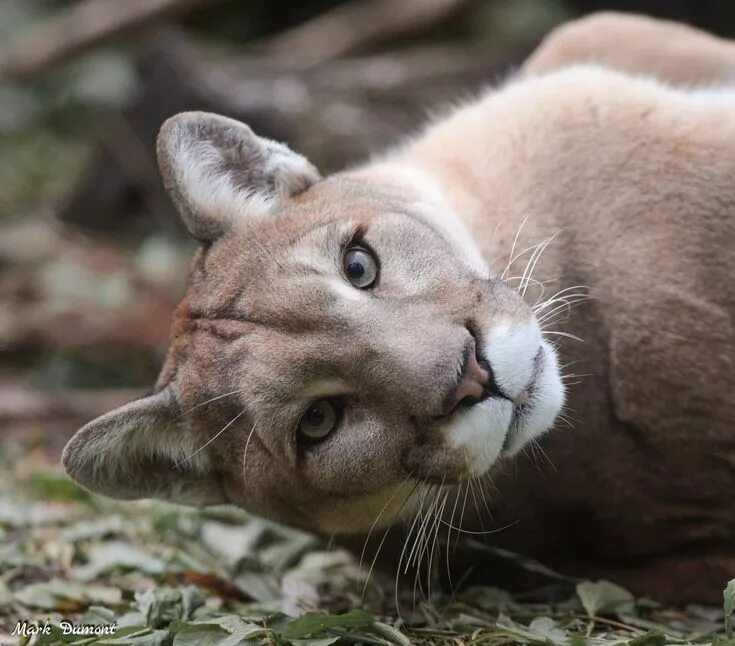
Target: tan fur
{"type": "Point", "coordinates": [635, 180]}
{"type": "Point", "coordinates": [639, 180]}
{"type": "Point", "coordinates": [641, 46]}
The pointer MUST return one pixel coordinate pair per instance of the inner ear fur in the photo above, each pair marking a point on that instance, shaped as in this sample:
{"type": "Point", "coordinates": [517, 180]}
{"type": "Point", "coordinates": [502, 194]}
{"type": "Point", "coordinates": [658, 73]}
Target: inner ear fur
{"type": "Point", "coordinates": [217, 170]}
{"type": "Point", "coordinates": [141, 450]}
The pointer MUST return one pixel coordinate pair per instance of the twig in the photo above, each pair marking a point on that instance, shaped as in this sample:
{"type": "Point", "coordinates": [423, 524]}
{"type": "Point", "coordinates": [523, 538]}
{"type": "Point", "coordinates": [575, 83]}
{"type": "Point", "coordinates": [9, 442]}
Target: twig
{"type": "Point", "coordinates": [80, 27]}
{"type": "Point", "coordinates": [355, 25]}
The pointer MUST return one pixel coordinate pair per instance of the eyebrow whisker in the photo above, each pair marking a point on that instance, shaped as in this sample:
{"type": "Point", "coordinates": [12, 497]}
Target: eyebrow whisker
{"type": "Point", "coordinates": [212, 439]}
{"type": "Point", "coordinates": [209, 401]}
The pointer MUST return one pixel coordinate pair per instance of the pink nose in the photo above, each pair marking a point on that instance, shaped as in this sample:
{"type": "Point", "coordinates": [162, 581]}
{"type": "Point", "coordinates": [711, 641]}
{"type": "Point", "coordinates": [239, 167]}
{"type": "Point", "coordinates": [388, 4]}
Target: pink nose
{"type": "Point", "coordinates": [474, 378]}
{"type": "Point", "coordinates": [473, 383]}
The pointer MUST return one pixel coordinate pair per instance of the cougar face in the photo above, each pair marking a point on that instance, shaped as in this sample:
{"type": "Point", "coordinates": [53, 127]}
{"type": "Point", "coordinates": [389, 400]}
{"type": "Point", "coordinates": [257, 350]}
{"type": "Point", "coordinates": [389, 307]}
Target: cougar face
{"type": "Point", "coordinates": [339, 344]}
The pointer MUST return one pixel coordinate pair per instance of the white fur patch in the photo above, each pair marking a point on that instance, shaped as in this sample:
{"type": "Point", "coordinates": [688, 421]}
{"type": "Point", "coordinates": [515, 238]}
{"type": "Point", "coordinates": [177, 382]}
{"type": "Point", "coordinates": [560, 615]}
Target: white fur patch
{"type": "Point", "coordinates": [437, 212]}
{"type": "Point", "coordinates": [511, 350]}
{"type": "Point", "coordinates": [345, 291]}
{"type": "Point", "coordinates": [531, 379]}
{"type": "Point", "coordinates": [479, 432]}
{"type": "Point", "coordinates": [546, 401]}
{"type": "Point", "coordinates": [223, 172]}
{"type": "Point", "coordinates": [208, 188]}
{"type": "Point", "coordinates": [715, 95]}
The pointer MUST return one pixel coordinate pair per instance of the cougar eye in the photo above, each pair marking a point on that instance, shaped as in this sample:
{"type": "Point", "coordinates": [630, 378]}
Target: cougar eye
{"type": "Point", "coordinates": [360, 267]}
{"type": "Point", "coordinates": [319, 420]}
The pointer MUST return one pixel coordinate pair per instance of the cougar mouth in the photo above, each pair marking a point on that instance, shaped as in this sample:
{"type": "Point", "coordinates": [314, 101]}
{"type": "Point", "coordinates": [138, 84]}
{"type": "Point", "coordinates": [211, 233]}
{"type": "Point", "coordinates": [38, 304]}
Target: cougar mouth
{"type": "Point", "coordinates": [526, 403]}
{"type": "Point", "coordinates": [506, 413]}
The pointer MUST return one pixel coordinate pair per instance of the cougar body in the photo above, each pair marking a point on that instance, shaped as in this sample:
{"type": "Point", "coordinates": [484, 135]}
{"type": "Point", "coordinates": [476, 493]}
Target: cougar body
{"type": "Point", "coordinates": [575, 202]}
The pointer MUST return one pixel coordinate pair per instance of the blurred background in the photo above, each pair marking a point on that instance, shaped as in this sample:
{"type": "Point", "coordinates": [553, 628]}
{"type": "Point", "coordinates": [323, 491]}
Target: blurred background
{"type": "Point", "coordinates": [92, 255]}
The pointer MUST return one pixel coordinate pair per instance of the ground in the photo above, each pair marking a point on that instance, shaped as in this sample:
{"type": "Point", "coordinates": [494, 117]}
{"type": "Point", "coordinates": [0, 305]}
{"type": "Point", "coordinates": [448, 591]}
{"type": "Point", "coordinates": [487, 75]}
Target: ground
{"type": "Point", "coordinates": [163, 574]}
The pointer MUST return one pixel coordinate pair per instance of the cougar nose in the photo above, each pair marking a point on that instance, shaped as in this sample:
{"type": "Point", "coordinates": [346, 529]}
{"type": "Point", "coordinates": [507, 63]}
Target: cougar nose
{"type": "Point", "coordinates": [473, 378]}
{"type": "Point", "coordinates": [475, 382]}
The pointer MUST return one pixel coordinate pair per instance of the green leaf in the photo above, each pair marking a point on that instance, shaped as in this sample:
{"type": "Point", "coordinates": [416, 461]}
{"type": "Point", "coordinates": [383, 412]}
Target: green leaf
{"type": "Point", "coordinates": [260, 586]}
{"type": "Point", "coordinates": [66, 595]}
{"type": "Point", "coordinates": [92, 529]}
{"type": "Point", "coordinates": [113, 555]}
{"type": "Point", "coordinates": [392, 634]}
{"type": "Point", "coordinates": [313, 624]}
{"type": "Point", "coordinates": [487, 598]}
{"type": "Point", "coordinates": [98, 615]}
{"type": "Point", "coordinates": [547, 629]}
{"type": "Point", "coordinates": [201, 634]}
{"type": "Point", "coordinates": [141, 638]}
{"type": "Point", "coordinates": [728, 605]}
{"type": "Point", "coordinates": [160, 606]}
{"type": "Point", "coordinates": [541, 630]}
{"type": "Point", "coordinates": [52, 485]}
{"type": "Point", "coordinates": [651, 638]}
{"type": "Point", "coordinates": [226, 630]}
{"type": "Point", "coordinates": [604, 597]}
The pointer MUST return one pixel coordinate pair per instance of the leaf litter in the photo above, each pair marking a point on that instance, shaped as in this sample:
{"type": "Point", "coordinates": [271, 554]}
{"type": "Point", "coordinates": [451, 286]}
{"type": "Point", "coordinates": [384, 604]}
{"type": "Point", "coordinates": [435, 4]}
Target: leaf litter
{"type": "Point", "coordinates": [168, 575]}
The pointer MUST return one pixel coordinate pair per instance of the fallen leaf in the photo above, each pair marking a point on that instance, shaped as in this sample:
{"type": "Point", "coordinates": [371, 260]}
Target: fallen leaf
{"type": "Point", "coordinates": [313, 624]}
{"type": "Point", "coordinates": [604, 597]}
{"type": "Point", "coordinates": [728, 605]}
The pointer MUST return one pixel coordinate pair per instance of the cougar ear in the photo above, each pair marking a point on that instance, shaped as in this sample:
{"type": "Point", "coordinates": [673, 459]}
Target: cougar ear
{"type": "Point", "coordinates": [141, 450]}
{"type": "Point", "coordinates": [217, 170]}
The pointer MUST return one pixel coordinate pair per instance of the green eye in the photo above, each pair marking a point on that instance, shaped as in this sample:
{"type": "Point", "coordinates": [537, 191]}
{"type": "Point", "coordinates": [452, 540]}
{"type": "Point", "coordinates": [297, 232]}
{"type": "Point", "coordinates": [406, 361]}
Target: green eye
{"type": "Point", "coordinates": [319, 421]}
{"type": "Point", "coordinates": [360, 267]}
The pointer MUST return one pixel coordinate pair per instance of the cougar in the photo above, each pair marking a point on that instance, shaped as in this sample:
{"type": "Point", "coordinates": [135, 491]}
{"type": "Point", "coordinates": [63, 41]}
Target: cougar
{"type": "Point", "coordinates": [559, 252]}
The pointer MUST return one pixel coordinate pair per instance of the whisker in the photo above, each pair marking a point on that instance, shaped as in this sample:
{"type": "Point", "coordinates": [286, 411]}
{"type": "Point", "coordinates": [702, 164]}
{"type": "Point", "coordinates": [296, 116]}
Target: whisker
{"type": "Point", "coordinates": [208, 442]}
{"type": "Point", "coordinates": [421, 541]}
{"type": "Point", "coordinates": [477, 507]}
{"type": "Point", "coordinates": [484, 500]}
{"type": "Point", "coordinates": [547, 318]}
{"type": "Point", "coordinates": [247, 443]}
{"type": "Point", "coordinates": [564, 334]}
{"type": "Point", "coordinates": [428, 519]}
{"type": "Point", "coordinates": [425, 542]}
{"type": "Point", "coordinates": [570, 288]}
{"type": "Point", "coordinates": [480, 533]}
{"type": "Point", "coordinates": [449, 538]}
{"type": "Point", "coordinates": [546, 457]}
{"type": "Point", "coordinates": [385, 535]}
{"type": "Point", "coordinates": [564, 418]}
{"type": "Point", "coordinates": [461, 516]}
{"type": "Point", "coordinates": [209, 401]}
{"type": "Point", "coordinates": [511, 258]}
{"type": "Point", "coordinates": [566, 299]}
{"type": "Point", "coordinates": [377, 518]}
{"type": "Point", "coordinates": [405, 547]}
{"type": "Point", "coordinates": [437, 526]}
{"type": "Point", "coordinates": [419, 529]}
{"type": "Point", "coordinates": [533, 262]}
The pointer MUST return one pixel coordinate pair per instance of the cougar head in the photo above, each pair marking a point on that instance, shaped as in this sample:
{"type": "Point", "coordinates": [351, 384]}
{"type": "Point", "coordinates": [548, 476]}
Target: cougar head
{"type": "Point", "coordinates": [339, 343]}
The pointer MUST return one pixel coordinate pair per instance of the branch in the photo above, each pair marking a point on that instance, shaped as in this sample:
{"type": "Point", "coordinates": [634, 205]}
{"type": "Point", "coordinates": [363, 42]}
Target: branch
{"type": "Point", "coordinates": [354, 26]}
{"type": "Point", "coordinates": [81, 27]}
